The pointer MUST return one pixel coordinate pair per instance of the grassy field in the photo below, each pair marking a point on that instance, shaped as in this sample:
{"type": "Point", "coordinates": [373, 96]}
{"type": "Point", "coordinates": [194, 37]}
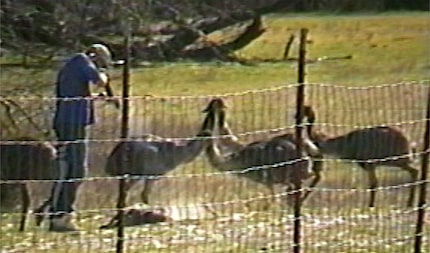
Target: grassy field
{"type": "Point", "coordinates": [385, 49]}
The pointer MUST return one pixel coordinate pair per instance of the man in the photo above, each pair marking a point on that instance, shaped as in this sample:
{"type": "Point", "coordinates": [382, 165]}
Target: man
{"type": "Point", "coordinates": [74, 112]}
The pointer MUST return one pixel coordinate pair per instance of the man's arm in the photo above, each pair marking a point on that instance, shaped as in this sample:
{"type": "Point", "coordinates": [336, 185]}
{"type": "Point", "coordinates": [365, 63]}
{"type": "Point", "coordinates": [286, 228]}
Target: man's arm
{"type": "Point", "coordinates": [103, 80]}
{"type": "Point", "coordinates": [105, 83]}
{"type": "Point", "coordinates": [99, 78]}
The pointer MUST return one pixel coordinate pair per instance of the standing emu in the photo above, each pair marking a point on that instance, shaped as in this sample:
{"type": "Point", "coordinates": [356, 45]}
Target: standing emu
{"type": "Point", "coordinates": [155, 157]}
{"type": "Point", "coordinates": [27, 161]}
{"type": "Point", "coordinates": [231, 143]}
{"type": "Point", "coordinates": [369, 148]}
{"type": "Point", "coordinates": [285, 164]}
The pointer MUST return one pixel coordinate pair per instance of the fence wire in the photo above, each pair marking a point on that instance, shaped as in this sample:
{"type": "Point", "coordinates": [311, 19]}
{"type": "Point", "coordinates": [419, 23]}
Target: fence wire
{"type": "Point", "coordinates": [209, 209]}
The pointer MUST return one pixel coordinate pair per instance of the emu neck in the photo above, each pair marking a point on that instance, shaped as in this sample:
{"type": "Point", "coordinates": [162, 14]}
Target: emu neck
{"type": "Point", "coordinates": [189, 150]}
{"type": "Point", "coordinates": [219, 160]}
{"type": "Point", "coordinates": [192, 148]}
{"type": "Point", "coordinates": [229, 140]}
{"type": "Point", "coordinates": [230, 162]}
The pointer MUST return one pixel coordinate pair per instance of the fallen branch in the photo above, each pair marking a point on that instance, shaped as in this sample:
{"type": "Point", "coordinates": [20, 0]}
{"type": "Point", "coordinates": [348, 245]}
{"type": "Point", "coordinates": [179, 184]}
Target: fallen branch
{"type": "Point", "coordinates": [187, 39]}
{"type": "Point", "coordinates": [207, 50]}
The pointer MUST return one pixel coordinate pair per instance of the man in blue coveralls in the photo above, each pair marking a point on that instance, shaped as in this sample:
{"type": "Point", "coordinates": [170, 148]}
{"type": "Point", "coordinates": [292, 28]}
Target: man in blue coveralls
{"type": "Point", "coordinates": [74, 112]}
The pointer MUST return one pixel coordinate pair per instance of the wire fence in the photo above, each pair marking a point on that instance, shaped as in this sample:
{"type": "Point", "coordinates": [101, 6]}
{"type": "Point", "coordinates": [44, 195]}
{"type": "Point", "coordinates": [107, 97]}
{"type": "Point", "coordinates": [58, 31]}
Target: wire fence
{"type": "Point", "coordinates": [199, 207]}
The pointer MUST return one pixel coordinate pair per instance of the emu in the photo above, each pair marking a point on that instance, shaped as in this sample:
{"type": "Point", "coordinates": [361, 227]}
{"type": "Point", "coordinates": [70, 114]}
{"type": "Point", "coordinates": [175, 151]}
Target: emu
{"type": "Point", "coordinates": [230, 142]}
{"type": "Point", "coordinates": [155, 157]}
{"type": "Point", "coordinates": [27, 161]}
{"type": "Point", "coordinates": [273, 152]}
{"type": "Point", "coordinates": [369, 148]}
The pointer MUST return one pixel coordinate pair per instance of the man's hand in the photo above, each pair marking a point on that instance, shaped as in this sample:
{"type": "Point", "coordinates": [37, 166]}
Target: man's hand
{"type": "Point", "coordinates": [110, 100]}
{"type": "Point", "coordinates": [110, 96]}
{"type": "Point", "coordinates": [104, 78]}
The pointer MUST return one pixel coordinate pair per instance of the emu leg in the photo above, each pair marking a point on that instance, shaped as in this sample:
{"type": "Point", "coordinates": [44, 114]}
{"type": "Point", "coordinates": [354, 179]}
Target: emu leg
{"type": "Point", "coordinates": [317, 178]}
{"type": "Point", "coordinates": [273, 197]}
{"type": "Point", "coordinates": [317, 167]}
{"type": "Point", "coordinates": [114, 221]}
{"type": "Point", "coordinates": [414, 177]}
{"type": "Point", "coordinates": [373, 183]}
{"type": "Point", "coordinates": [292, 190]}
{"type": "Point", "coordinates": [146, 190]}
{"type": "Point", "coordinates": [288, 191]}
{"type": "Point", "coordinates": [41, 212]}
{"type": "Point", "coordinates": [272, 190]}
{"type": "Point", "coordinates": [128, 185]}
{"type": "Point", "coordinates": [25, 205]}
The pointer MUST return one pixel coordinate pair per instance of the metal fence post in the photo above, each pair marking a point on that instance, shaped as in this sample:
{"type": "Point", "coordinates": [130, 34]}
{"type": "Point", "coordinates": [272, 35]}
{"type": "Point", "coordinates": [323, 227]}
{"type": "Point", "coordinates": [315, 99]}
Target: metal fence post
{"type": "Point", "coordinates": [425, 156]}
{"type": "Point", "coordinates": [299, 138]}
{"type": "Point", "coordinates": [124, 134]}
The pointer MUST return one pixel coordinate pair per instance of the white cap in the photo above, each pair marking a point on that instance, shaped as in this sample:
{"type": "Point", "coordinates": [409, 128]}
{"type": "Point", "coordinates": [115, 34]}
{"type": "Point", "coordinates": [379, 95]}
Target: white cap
{"type": "Point", "coordinates": [101, 54]}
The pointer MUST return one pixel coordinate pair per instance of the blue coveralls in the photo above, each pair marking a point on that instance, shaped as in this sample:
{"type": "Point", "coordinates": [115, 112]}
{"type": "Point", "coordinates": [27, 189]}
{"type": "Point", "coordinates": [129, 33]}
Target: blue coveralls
{"type": "Point", "coordinates": [74, 112]}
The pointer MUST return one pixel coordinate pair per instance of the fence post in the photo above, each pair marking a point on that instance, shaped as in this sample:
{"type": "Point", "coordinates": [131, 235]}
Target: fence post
{"type": "Point", "coordinates": [124, 134]}
{"type": "Point", "coordinates": [425, 156]}
{"type": "Point", "coordinates": [299, 138]}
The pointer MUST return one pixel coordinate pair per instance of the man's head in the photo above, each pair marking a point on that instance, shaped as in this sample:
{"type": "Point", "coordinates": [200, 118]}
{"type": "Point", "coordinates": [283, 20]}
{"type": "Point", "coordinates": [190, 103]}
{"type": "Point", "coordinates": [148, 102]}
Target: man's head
{"type": "Point", "coordinates": [100, 55]}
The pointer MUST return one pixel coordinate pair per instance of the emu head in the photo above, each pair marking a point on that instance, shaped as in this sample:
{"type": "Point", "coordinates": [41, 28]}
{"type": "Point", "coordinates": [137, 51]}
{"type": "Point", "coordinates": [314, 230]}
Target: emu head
{"type": "Point", "coordinates": [215, 105]}
{"type": "Point", "coordinates": [44, 156]}
{"type": "Point", "coordinates": [214, 109]}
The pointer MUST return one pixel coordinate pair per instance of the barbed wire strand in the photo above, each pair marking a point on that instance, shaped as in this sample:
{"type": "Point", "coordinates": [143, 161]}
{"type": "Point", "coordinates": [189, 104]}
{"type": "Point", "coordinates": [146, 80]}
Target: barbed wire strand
{"type": "Point", "coordinates": [252, 199]}
{"type": "Point", "coordinates": [216, 173]}
{"type": "Point", "coordinates": [239, 134]}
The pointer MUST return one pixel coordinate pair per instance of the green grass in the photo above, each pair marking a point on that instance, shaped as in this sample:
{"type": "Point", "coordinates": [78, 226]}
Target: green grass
{"type": "Point", "coordinates": [386, 48]}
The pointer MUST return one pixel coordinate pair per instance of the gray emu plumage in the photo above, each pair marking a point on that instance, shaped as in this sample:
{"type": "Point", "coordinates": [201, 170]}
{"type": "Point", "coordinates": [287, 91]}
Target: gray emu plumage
{"type": "Point", "coordinates": [231, 143]}
{"type": "Point", "coordinates": [153, 157]}
{"type": "Point", "coordinates": [369, 148]}
{"type": "Point", "coordinates": [27, 161]}
{"type": "Point", "coordinates": [279, 157]}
